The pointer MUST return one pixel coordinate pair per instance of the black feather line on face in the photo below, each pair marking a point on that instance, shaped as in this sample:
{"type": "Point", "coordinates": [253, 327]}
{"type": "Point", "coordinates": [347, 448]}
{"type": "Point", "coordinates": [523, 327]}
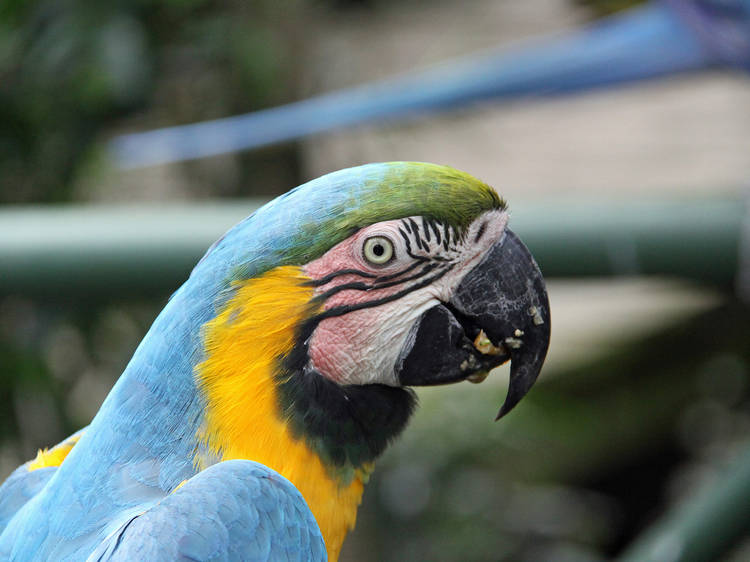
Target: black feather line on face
{"type": "Point", "coordinates": [436, 229]}
{"type": "Point", "coordinates": [345, 309]}
{"type": "Point", "coordinates": [366, 274]}
{"type": "Point", "coordinates": [458, 235]}
{"type": "Point", "coordinates": [407, 241]}
{"type": "Point", "coordinates": [426, 229]}
{"type": "Point", "coordinates": [480, 232]}
{"type": "Point", "coordinates": [416, 257]}
{"type": "Point", "coordinates": [416, 263]}
{"type": "Point", "coordinates": [360, 286]}
{"type": "Point", "coordinates": [331, 276]}
{"type": "Point", "coordinates": [420, 244]}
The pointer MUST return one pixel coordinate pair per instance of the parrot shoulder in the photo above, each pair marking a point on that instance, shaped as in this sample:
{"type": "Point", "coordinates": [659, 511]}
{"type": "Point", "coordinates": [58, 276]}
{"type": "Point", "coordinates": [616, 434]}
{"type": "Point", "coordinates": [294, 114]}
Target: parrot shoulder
{"type": "Point", "coordinates": [22, 485]}
{"type": "Point", "coordinates": [233, 510]}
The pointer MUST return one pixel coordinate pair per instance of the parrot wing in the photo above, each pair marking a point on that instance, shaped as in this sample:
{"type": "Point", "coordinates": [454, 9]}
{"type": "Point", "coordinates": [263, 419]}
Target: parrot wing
{"type": "Point", "coordinates": [233, 510]}
{"type": "Point", "coordinates": [22, 485]}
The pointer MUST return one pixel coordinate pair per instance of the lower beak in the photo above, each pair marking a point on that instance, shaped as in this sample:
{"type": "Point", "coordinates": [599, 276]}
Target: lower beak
{"type": "Point", "coordinates": [499, 312]}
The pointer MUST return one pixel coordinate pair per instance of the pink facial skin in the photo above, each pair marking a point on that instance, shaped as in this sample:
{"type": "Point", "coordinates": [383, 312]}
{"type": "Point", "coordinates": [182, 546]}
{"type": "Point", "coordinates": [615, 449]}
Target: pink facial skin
{"type": "Point", "coordinates": [363, 346]}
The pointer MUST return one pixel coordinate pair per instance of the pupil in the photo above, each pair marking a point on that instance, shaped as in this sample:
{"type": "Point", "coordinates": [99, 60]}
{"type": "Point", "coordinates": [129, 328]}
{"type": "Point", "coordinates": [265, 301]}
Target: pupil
{"type": "Point", "coordinates": [378, 250]}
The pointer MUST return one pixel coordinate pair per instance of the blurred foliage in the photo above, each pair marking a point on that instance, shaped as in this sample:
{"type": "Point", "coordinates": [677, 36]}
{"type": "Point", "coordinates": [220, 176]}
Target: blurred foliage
{"type": "Point", "coordinates": [71, 70]}
{"type": "Point", "coordinates": [58, 362]}
{"type": "Point", "coordinates": [74, 72]}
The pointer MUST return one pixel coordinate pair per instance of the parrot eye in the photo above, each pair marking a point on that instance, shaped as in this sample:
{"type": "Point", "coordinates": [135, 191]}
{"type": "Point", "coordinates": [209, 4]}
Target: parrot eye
{"type": "Point", "coordinates": [378, 250]}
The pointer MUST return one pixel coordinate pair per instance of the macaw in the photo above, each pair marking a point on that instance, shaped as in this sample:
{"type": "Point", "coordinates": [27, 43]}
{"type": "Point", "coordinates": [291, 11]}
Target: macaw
{"type": "Point", "coordinates": [249, 418]}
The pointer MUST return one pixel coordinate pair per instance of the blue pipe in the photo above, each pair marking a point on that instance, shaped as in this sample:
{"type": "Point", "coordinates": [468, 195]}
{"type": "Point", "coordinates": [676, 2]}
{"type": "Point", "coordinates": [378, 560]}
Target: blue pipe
{"type": "Point", "coordinates": [657, 39]}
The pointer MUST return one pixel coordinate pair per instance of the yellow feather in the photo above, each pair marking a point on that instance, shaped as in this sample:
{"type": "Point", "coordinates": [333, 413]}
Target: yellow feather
{"type": "Point", "coordinates": [180, 485]}
{"type": "Point", "coordinates": [242, 419]}
{"type": "Point", "coordinates": [54, 456]}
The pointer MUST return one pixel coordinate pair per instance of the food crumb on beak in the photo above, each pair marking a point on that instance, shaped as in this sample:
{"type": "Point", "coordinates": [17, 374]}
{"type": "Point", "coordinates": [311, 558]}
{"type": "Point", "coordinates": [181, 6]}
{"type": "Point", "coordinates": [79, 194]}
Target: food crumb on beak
{"type": "Point", "coordinates": [484, 346]}
{"type": "Point", "coordinates": [536, 316]}
{"type": "Point", "coordinates": [513, 343]}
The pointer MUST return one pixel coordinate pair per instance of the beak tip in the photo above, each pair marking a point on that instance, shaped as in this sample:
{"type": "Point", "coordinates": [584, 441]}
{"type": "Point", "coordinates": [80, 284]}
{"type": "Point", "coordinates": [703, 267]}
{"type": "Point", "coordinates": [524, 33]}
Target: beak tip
{"type": "Point", "coordinates": [508, 405]}
{"type": "Point", "coordinates": [524, 369]}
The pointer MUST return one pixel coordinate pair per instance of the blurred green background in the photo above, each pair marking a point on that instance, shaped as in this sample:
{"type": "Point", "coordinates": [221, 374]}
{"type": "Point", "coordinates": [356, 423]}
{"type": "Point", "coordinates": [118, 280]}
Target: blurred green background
{"type": "Point", "coordinates": [645, 396]}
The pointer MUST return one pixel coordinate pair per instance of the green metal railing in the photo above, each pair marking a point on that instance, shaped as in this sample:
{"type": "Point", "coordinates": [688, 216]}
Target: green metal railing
{"type": "Point", "coordinates": [100, 250]}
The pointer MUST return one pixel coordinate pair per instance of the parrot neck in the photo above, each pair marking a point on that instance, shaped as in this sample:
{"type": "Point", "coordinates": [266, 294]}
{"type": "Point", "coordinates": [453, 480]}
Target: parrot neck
{"type": "Point", "coordinates": [261, 404]}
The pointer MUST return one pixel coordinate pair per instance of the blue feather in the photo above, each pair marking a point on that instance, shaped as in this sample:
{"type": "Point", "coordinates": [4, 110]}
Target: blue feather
{"type": "Point", "coordinates": [234, 510]}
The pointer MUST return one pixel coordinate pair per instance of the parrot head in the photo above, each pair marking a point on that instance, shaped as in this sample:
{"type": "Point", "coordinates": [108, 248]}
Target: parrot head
{"type": "Point", "coordinates": [417, 301]}
{"type": "Point", "coordinates": [336, 298]}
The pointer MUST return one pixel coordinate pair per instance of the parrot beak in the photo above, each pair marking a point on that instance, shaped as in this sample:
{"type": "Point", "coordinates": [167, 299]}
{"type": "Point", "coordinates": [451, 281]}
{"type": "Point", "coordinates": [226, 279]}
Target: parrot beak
{"type": "Point", "coordinates": [499, 312]}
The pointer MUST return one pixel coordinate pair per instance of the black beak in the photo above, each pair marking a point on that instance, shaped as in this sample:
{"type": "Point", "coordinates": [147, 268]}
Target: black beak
{"type": "Point", "coordinates": [500, 311]}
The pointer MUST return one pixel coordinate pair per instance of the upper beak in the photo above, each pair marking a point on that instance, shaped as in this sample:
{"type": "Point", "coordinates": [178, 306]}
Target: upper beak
{"type": "Point", "coordinates": [503, 298]}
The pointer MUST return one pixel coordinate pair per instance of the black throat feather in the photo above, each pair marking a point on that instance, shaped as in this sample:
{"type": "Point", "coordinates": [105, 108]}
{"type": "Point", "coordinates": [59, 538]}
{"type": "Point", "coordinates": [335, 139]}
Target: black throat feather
{"type": "Point", "coordinates": [348, 426]}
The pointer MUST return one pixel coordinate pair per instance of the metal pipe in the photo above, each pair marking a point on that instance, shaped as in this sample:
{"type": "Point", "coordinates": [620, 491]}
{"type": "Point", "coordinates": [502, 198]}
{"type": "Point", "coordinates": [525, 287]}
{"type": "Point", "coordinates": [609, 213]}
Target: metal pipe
{"type": "Point", "coordinates": [647, 42]}
{"type": "Point", "coordinates": [82, 251]}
